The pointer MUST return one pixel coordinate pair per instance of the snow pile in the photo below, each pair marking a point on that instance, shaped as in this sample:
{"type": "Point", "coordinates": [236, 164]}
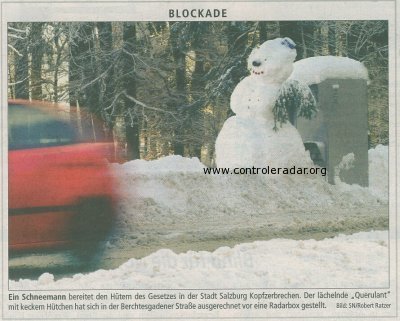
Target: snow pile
{"type": "Point", "coordinates": [358, 260]}
{"type": "Point", "coordinates": [170, 197]}
{"type": "Point", "coordinates": [173, 163]}
{"type": "Point", "coordinates": [157, 203]}
{"type": "Point", "coordinates": [315, 70]}
{"type": "Point", "coordinates": [346, 163]}
{"type": "Point", "coordinates": [161, 208]}
{"type": "Point", "coordinates": [170, 203]}
{"type": "Point", "coordinates": [181, 188]}
{"type": "Point", "coordinates": [378, 162]}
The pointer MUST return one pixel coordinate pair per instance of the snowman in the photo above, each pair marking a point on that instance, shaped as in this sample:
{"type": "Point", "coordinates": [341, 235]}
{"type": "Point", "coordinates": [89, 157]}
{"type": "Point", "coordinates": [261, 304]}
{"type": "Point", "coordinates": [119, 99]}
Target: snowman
{"type": "Point", "coordinates": [251, 137]}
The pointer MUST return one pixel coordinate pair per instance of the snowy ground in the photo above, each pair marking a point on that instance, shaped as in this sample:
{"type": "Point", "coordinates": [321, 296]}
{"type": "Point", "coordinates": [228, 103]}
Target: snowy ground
{"type": "Point", "coordinates": [359, 260]}
{"type": "Point", "coordinates": [170, 205]}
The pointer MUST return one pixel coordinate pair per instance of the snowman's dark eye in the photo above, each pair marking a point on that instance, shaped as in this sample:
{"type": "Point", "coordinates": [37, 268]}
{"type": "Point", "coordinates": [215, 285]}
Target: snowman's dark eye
{"type": "Point", "coordinates": [265, 59]}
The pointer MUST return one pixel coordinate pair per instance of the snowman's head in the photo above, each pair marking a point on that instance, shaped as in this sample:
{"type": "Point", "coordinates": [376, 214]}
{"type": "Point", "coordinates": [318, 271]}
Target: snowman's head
{"type": "Point", "coordinates": [273, 60]}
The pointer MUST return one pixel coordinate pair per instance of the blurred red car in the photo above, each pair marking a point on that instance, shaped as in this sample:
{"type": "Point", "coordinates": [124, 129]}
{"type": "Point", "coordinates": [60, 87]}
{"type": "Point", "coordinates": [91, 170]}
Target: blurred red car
{"type": "Point", "coordinates": [60, 188]}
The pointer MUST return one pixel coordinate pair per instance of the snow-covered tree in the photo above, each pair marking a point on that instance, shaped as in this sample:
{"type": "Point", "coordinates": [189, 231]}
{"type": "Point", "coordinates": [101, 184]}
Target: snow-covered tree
{"type": "Point", "coordinates": [295, 100]}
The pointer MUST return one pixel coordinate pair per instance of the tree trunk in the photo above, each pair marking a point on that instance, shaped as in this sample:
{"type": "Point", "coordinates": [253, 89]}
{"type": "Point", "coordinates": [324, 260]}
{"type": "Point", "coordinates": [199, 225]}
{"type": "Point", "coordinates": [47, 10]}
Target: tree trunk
{"type": "Point", "coordinates": [106, 68]}
{"type": "Point", "coordinates": [21, 70]}
{"type": "Point", "coordinates": [59, 44]}
{"type": "Point", "coordinates": [107, 94]}
{"type": "Point", "coordinates": [11, 74]}
{"type": "Point", "coordinates": [332, 38]}
{"type": "Point", "coordinates": [80, 74]}
{"type": "Point", "coordinates": [132, 139]}
{"type": "Point", "coordinates": [131, 119]}
{"type": "Point", "coordinates": [77, 47]}
{"type": "Point", "coordinates": [307, 33]}
{"type": "Point", "coordinates": [237, 40]}
{"type": "Point", "coordinates": [36, 49]}
{"type": "Point", "coordinates": [92, 89]}
{"type": "Point", "coordinates": [106, 47]}
{"type": "Point", "coordinates": [197, 119]}
{"type": "Point", "coordinates": [180, 82]}
{"type": "Point", "coordinates": [263, 31]}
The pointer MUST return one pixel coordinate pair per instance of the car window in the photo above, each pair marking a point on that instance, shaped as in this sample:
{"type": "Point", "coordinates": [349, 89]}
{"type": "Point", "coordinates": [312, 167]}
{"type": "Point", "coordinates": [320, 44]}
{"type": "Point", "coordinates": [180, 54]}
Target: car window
{"type": "Point", "coordinates": [30, 128]}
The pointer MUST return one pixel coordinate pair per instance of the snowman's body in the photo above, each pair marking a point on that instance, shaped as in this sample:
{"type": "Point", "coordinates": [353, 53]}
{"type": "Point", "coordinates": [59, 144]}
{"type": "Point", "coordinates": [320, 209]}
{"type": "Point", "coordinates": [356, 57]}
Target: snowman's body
{"type": "Point", "coordinates": [249, 138]}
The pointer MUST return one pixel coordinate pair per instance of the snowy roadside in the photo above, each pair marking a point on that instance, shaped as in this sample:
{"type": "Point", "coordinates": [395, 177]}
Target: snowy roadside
{"type": "Point", "coordinates": [358, 260]}
{"type": "Point", "coordinates": [170, 205]}
{"type": "Point", "coordinates": [172, 200]}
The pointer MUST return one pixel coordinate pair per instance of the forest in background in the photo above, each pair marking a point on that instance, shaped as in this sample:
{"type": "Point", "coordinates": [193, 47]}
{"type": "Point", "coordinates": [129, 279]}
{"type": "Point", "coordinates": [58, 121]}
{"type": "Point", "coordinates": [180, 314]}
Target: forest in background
{"type": "Point", "coordinates": [163, 88]}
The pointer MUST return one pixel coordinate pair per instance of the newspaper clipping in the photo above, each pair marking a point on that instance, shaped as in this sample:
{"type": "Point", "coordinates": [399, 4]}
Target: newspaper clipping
{"type": "Point", "coordinates": [199, 160]}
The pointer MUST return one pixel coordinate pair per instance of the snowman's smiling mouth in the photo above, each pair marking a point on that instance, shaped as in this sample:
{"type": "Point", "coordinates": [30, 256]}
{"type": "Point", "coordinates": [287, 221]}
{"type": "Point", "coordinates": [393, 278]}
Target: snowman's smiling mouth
{"type": "Point", "coordinates": [257, 72]}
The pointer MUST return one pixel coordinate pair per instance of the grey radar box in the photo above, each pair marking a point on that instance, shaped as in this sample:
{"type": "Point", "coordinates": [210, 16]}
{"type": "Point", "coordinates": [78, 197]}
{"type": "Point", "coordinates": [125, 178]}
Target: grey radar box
{"type": "Point", "coordinates": [337, 138]}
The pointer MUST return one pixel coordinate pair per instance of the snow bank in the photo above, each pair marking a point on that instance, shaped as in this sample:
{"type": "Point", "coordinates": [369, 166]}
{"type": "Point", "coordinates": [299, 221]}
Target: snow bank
{"type": "Point", "coordinates": [378, 162]}
{"type": "Point", "coordinates": [171, 203]}
{"type": "Point", "coordinates": [179, 187]}
{"type": "Point", "coordinates": [173, 163]}
{"type": "Point", "coordinates": [358, 260]}
{"type": "Point", "coordinates": [159, 205]}
{"type": "Point", "coordinates": [315, 70]}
